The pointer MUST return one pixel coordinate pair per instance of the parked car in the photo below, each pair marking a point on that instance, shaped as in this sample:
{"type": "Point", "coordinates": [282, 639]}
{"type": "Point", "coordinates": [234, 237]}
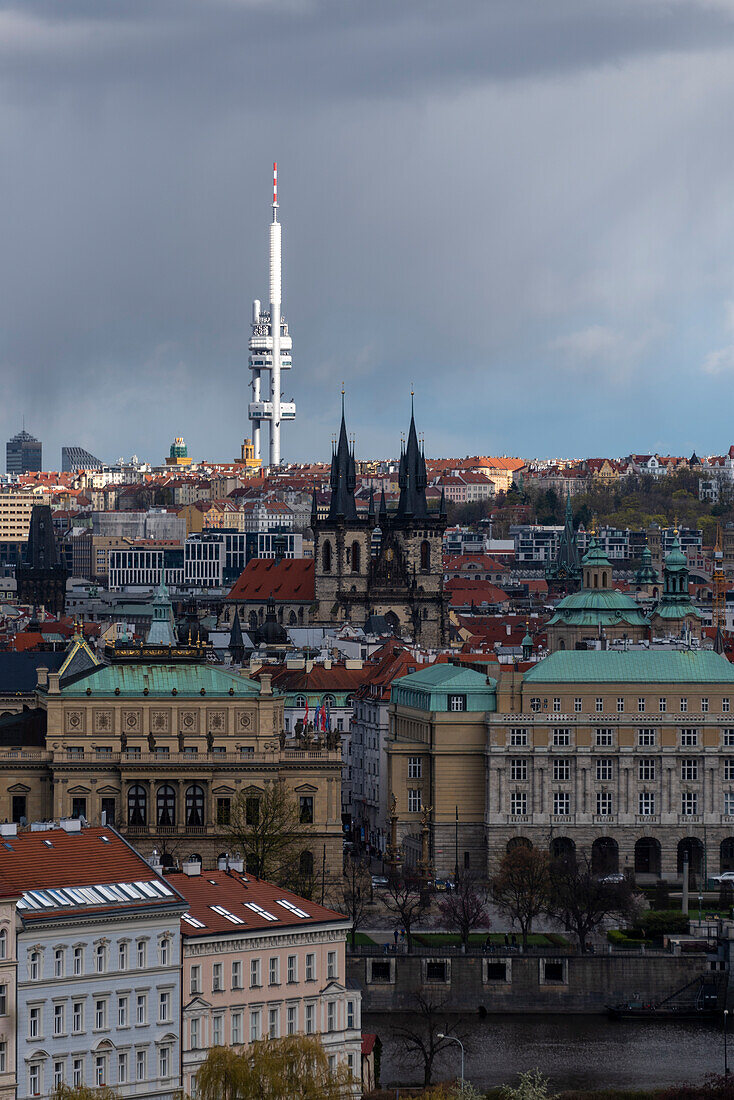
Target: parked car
{"type": "Point", "coordinates": [614, 876]}
{"type": "Point", "coordinates": [725, 876]}
{"type": "Point", "coordinates": [379, 882]}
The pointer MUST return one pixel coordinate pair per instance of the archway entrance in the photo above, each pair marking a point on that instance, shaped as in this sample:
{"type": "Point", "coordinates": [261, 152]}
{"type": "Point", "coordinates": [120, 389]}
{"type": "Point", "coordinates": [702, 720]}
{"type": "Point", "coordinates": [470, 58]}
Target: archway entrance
{"type": "Point", "coordinates": [518, 842]}
{"type": "Point", "coordinates": [693, 846]}
{"type": "Point", "coordinates": [726, 853]}
{"type": "Point", "coordinates": [605, 856]}
{"type": "Point", "coordinates": [647, 856]}
{"type": "Point", "coordinates": [563, 849]}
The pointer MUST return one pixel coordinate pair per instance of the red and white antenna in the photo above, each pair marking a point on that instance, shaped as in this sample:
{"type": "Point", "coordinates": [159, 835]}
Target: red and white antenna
{"type": "Point", "coordinates": [275, 184]}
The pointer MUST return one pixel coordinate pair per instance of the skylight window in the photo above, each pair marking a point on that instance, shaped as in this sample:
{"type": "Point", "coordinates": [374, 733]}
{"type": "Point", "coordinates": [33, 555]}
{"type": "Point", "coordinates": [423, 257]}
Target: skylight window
{"type": "Point", "coordinates": [48, 843]}
{"type": "Point", "coordinates": [193, 921]}
{"type": "Point", "coordinates": [42, 898]}
{"type": "Point", "coordinates": [226, 913]}
{"type": "Point", "coordinates": [260, 911]}
{"type": "Point", "coordinates": [105, 840]}
{"type": "Point", "coordinates": [292, 908]}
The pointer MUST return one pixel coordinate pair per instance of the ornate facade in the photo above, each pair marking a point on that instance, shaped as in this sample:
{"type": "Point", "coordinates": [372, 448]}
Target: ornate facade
{"type": "Point", "coordinates": [399, 576]}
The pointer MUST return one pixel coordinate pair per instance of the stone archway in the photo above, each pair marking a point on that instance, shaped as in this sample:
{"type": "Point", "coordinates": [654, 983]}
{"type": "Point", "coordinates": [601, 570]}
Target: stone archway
{"type": "Point", "coordinates": [694, 847]}
{"type": "Point", "coordinates": [563, 849]}
{"type": "Point", "coordinates": [648, 857]}
{"type": "Point", "coordinates": [518, 842]}
{"type": "Point", "coordinates": [726, 854]}
{"type": "Point", "coordinates": [605, 856]}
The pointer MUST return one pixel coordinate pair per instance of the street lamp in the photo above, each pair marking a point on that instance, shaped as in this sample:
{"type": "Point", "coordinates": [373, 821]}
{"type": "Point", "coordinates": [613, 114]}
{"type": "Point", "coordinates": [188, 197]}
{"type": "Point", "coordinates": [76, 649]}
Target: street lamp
{"type": "Point", "coordinates": [700, 903]}
{"type": "Point", "coordinates": [454, 1039]}
{"type": "Point", "coordinates": [726, 1053]}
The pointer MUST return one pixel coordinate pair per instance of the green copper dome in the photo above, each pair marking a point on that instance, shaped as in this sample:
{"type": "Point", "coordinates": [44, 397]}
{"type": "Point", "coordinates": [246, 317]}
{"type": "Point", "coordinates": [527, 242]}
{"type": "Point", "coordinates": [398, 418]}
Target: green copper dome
{"type": "Point", "coordinates": [646, 573]}
{"type": "Point", "coordinates": [595, 556]}
{"type": "Point", "coordinates": [676, 559]}
{"type": "Point", "coordinates": [598, 606]}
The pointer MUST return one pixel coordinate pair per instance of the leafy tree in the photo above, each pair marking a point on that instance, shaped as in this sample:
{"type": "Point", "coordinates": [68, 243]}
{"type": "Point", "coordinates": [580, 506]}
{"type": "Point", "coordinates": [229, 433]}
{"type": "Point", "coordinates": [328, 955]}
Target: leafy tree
{"type": "Point", "coordinates": [521, 886]}
{"type": "Point", "coordinates": [465, 908]}
{"type": "Point", "coordinates": [292, 1068]}
{"type": "Point", "coordinates": [419, 1039]}
{"type": "Point", "coordinates": [406, 903]}
{"type": "Point", "coordinates": [581, 900]}
{"type": "Point", "coordinates": [352, 894]}
{"type": "Point", "coordinates": [83, 1092]}
{"type": "Point", "coordinates": [531, 1085]}
{"type": "Point", "coordinates": [267, 829]}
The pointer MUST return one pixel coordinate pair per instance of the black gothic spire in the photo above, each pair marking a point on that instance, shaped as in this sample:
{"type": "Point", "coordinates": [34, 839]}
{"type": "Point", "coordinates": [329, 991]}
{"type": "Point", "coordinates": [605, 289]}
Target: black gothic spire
{"type": "Point", "coordinates": [343, 477]}
{"type": "Point", "coordinates": [236, 641]}
{"type": "Point", "coordinates": [371, 508]}
{"type": "Point", "coordinates": [412, 477]}
{"type": "Point", "coordinates": [383, 512]}
{"type": "Point", "coordinates": [314, 509]}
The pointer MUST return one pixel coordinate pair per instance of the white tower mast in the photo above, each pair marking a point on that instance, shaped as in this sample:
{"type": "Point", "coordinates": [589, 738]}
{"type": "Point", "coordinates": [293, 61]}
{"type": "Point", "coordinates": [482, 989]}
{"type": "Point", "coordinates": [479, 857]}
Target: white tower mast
{"type": "Point", "coordinates": [270, 349]}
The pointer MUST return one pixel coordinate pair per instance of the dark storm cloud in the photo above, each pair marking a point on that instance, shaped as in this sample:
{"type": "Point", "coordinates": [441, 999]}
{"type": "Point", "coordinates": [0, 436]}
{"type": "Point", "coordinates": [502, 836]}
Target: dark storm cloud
{"type": "Point", "coordinates": [495, 201]}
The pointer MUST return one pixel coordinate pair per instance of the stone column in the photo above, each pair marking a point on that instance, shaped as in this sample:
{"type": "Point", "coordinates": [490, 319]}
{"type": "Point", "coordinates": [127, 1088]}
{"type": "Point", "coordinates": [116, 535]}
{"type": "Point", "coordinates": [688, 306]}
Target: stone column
{"type": "Point", "coordinates": [684, 896]}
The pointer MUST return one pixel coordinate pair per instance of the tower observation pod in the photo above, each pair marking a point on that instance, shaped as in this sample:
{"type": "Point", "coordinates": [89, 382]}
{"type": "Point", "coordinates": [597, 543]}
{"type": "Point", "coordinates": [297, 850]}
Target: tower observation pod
{"type": "Point", "coordinates": [270, 352]}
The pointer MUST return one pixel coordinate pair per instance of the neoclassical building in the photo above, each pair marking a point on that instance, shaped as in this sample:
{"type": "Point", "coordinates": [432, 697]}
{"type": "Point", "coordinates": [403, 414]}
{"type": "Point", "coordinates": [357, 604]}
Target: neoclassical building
{"type": "Point", "coordinates": [399, 575]}
{"type": "Point", "coordinates": [625, 757]}
{"type": "Point", "coordinates": [161, 743]}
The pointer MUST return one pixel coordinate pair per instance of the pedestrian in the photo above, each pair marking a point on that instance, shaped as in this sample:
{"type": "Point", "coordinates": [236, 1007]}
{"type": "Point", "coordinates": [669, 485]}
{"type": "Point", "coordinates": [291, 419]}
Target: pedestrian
{"type": "Point", "coordinates": [395, 935]}
{"type": "Point", "coordinates": [507, 940]}
{"type": "Point", "coordinates": [514, 940]}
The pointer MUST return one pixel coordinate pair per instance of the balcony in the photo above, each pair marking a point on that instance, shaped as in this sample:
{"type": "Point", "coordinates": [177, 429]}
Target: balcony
{"type": "Point", "coordinates": [604, 819]}
{"type": "Point", "coordinates": [647, 819]}
{"type": "Point", "coordinates": [690, 819]}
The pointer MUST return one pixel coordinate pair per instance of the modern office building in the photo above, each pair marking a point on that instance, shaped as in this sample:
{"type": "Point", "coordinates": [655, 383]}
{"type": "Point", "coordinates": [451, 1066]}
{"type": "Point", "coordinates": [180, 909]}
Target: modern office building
{"type": "Point", "coordinates": [23, 454]}
{"type": "Point", "coordinates": [76, 458]}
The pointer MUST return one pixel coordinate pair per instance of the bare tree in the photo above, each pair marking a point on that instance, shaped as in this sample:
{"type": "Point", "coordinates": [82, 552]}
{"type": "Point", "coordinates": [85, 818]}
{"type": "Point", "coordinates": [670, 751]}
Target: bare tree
{"type": "Point", "coordinates": [520, 887]}
{"type": "Point", "coordinates": [419, 1039]}
{"type": "Point", "coordinates": [352, 894]}
{"type": "Point", "coordinates": [581, 900]}
{"type": "Point", "coordinates": [465, 908]}
{"type": "Point", "coordinates": [267, 828]}
{"type": "Point", "coordinates": [407, 904]}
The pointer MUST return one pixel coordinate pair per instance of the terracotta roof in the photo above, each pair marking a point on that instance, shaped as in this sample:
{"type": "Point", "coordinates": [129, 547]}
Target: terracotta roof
{"type": "Point", "coordinates": [368, 1042]}
{"type": "Point", "coordinates": [292, 579]}
{"type": "Point", "coordinates": [235, 893]}
{"type": "Point", "coordinates": [336, 678]}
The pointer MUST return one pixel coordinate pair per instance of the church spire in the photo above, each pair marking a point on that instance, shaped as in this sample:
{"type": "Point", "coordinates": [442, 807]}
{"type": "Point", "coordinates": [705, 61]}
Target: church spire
{"type": "Point", "coordinates": [412, 477]}
{"type": "Point", "coordinates": [371, 508]}
{"type": "Point", "coordinates": [343, 477]}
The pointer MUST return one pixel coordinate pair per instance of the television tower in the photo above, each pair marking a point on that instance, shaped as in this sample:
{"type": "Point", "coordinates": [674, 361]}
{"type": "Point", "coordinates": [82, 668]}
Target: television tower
{"type": "Point", "coordinates": [270, 350]}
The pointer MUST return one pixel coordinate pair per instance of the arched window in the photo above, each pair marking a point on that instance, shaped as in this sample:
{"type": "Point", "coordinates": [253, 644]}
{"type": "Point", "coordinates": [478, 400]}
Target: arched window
{"type": "Point", "coordinates": [252, 619]}
{"type": "Point", "coordinates": [137, 805]}
{"type": "Point", "coordinates": [326, 557]}
{"type": "Point", "coordinates": [299, 701]}
{"type": "Point", "coordinates": [195, 806]}
{"type": "Point", "coordinates": [166, 806]}
{"type": "Point", "coordinates": [292, 618]}
{"type": "Point", "coordinates": [328, 701]}
{"type": "Point", "coordinates": [305, 863]}
{"type": "Point", "coordinates": [300, 616]}
{"type": "Point", "coordinates": [4, 944]}
{"type": "Point", "coordinates": [425, 555]}
{"type": "Point", "coordinates": [356, 557]}
{"type": "Point", "coordinates": [604, 579]}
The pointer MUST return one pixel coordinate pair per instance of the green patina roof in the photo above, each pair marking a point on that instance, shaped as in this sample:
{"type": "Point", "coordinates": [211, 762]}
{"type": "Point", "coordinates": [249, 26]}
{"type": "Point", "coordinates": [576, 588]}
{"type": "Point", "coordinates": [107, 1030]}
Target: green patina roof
{"type": "Point", "coordinates": [637, 666]}
{"type": "Point", "coordinates": [667, 609]}
{"type": "Point", "coordinates": [160, 680]}
{"type": "Point", "coordinates": [430, 688]}
{"type": "Point", "coordinates": [596, 556]}
{"type": "Point", "coordinates": [676, 559]}
{"type": "Point", "coordinates": [593, 606]}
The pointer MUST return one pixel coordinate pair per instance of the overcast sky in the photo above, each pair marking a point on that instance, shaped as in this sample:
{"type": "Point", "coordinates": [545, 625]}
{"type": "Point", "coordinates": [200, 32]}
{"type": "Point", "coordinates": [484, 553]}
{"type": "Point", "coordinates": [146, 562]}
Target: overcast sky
{"type": "Point", "coordinates": [523, 208]}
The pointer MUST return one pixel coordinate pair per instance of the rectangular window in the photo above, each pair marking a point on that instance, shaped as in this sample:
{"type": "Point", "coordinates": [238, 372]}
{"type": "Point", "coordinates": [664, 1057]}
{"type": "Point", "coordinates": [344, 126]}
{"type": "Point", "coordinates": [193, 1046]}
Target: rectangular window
{"type": "Point", "coordinates": [224, 811]}
{"type": "Point", "coordinates": [641, 704]}
{"type": "Point", "coordinates": [646, 768]}
{"type": "Point", "coordinates": [599, 705]}
{"type": "Point", "coordinates": [255, 974]}
{"type": "Point", "coordinates": [255, 1025]}
{"type": "Point", "coordinates": [34, 1023]}
{"type": "Point", "coordinates": [122, 956]}
{"type": "Point", "coordinates": [274, 971]}
{"type": "Point", "coordinates": [662, 705]}
{"type": "Point", "coordinates": [518, 768]}
{"type": "Point", "coordinates": [604, 769]}
{"type": "Point", "coordinates": [3, 1000]}
{"type": "Point", "coordinates": [59, 962]}
{"type": "Point", "coordinates": [141, 1008]}
{"type": "Point", "coordinates": [100, 1014]}
{"type": "Point", "coordinates": [217, 982]}
{"type": "Point", "coordinates": [331, 1016]}
{"type": "Point", "coordinates": [165, 951]}
{"type": "Point", "coordinates": [164, 1008]}
{"type": "Point", "coordinates": [194, 1033]}
{"type": "Point", "coordinates": [645, 738]}
{"type": "Point", "coordinates": [561, 803]}
{"type": "Point", "coordinates": [142, 954]}
{"type": "Point", "coordinates": [646, 804]}
{"type": "Point", "coordinates": [620, 705]}
{"type": "Point", "coordinates": [305, 812]}
{"type": "Point", "coordinates": [310, 1019]}
{"type": "Point", "coordinates": [237, 975]}
{"type": "Point", "coordinates": [578, 704]}
{"type": "Point", "coordinates": [58, 1019]}
{"type": "Point", "coordinates": [122, 1067]}
{"type": "Point", "coordinates": [122, 1011]}
{"type": "Point", "coordinates": [725, 705]}
{"type": "Point", "coordinates": [310, 968]}
{"type": "Point", "coordinates": [689, 768]}
{"type": "Point", "coordinates": [292, 1020]}
{"type": "Point", "coordinates": [457, 702]}
{"type": "Point", "coordinates": [34, 966]}
{"type": "Point", "coordinates": [4, 1058]}
{"type": "Point", "coordinates": [688, 737]}
{"type": "Point", "coordinates": [77, 1072]}
{"type": "Point", "coordinates": [603, 802]}
{"type": "Point", "coordinates": [729, 802]}
{"type": "Point", "coordinates": [561, 769]}
{"type": "Point", "coordinates": [557, 705]}
{"type": "Point", "coordinates": [519, 803]}
{"type": "Point", "coordinates": [292, 969]}
{"type": "Point", "coordinates": [195, 986]}
{"type": "Point", "coordinates": [58, 1072]}
{"type": "Point", "coordinates": [729, 768]}
{"type": "Point", "coordinates": [100, 958]}
{"type": "Point", "coordinates": [78, 961]}
{"type": "Point", "coordinates": [415, 767]}
{"type": "Point", "coordinates": [236, 1028]}
{"type": "Point", "coordinates": [350, 1015]}
{"type": "Point", "coordinates": [331, 965]}
{"type": "Point", "coordinates": [605, 738]}
{"type": "Point", "coordinates": [100, 1070]}
{"type": "Point", "coordinates": [164, 1062]}
{"type": "Point", "coordinates": [141, 1067]}
{"type": "Point", "coordinates": [689, 803]}
{"type": "Point", "coordinates": [518, 737]}
{"type": "Point", "coordinates": [704, 706]}
{"type": "Point", "coordinates": [34, 1080]}
{"type": "Point", "coordinates": [561, 737]}
{"type": "Point", "coordinates": [274, 1023]}
{"type": "Point", "coordinates": [77, 1016]}
{"type": "Point", "coordinates": [683, 706]}
{"type": "Point", "coordinates": [217, 1030]}
{"type": "Point", "coordinates": [414, 801]}
{"type": "Point", "coordinates": [728, 736]}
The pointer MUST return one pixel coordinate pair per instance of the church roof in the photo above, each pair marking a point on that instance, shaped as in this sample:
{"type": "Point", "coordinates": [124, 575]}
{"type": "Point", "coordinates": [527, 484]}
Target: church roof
{"type": "Point", "coordinates": [291, 579]}
{"type": "Point", "coordinates": [598, 606]}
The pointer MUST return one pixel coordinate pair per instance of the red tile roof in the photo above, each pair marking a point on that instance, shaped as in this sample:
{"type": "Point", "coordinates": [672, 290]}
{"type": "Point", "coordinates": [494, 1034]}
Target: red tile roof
{"type": "Point", "coordinates": [233, 891]}
{"type": "Point", "coordinates": [292, 579]}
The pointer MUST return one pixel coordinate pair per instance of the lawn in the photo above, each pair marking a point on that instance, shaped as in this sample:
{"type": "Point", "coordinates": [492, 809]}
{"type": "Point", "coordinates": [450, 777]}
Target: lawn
{"type": "Point", "coordinates": [362, 940]}
{"type": "Point", "coordinates": [477, 939]}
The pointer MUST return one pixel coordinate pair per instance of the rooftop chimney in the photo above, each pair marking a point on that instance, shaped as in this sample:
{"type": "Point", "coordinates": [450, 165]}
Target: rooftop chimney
{"type": "Point", "coordinates": [191, 867]}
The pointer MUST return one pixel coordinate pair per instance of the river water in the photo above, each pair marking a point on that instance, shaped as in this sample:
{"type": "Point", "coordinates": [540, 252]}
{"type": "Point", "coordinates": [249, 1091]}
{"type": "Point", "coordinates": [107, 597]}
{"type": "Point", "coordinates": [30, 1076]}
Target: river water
{"type": "Point", "coordinates": [573, 1051]}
